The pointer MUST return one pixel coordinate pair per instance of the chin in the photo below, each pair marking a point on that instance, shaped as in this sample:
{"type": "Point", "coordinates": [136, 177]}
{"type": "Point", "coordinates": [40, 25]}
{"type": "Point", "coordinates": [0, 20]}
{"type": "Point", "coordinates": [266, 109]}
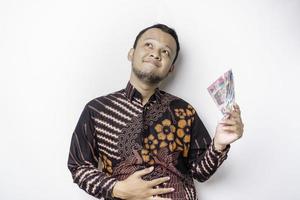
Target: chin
{"type": "Point", "coordinates": [148, 69]}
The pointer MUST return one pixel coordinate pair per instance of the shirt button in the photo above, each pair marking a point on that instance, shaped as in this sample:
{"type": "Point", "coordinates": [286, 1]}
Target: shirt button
{"type": "Point", "coordinates": [145, 127]}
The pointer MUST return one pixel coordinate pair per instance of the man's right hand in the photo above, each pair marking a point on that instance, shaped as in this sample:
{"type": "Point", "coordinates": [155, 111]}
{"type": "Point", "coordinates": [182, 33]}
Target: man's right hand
{"type": "Point", "coordinates": [135, 188]}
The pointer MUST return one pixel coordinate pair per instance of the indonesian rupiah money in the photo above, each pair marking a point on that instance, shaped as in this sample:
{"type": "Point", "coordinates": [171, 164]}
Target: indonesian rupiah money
{"type": "Point", "coordinates": [222, 92]}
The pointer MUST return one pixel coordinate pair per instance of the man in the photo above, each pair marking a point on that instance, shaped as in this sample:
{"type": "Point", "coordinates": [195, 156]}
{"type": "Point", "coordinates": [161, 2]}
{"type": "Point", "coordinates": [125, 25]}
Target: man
{"type": "Point", "coordinates": [151, 144]}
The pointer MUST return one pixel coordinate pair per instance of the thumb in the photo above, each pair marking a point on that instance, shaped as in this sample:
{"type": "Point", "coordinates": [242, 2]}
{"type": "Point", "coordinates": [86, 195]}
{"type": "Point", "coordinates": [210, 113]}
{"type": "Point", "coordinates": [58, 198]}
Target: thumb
{"type": "Point", "coordinates": [143, 172]}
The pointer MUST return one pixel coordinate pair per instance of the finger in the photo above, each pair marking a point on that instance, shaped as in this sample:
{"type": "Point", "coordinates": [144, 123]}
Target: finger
{"type": "Point", "coordinates": [143, 172]}
{"type": "Point", "coordinates": [232, 122]}
{"type": "Point", "coordinates": [236, 109]}
{"type": "Point", "coordinates": [158, 181]}
{"type": "Point", "coordinates": [228, 122]}
{"type": "Point", "coordinates": [240, 123]}
{"type": "Point", "coordinates": [226, 115]}
{"type": "Point", "coordinates": [235, 115]}
{"type": "Point", "coordinates": [236, 106]}
{"type": "Point", "coordinates": [232, 129]}
{"type": "Point", "coordinates": [161, 191]}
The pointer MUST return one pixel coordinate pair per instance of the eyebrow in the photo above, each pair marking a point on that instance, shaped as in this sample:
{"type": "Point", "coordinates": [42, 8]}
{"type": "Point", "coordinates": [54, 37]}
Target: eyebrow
{"type": "Point", "coordinates": [155, 40]}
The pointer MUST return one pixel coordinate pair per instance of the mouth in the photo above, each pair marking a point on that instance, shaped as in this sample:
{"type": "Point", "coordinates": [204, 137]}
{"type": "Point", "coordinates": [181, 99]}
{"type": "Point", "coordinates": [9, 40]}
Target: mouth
{"type": "Point", "coordinates": [153, 62]}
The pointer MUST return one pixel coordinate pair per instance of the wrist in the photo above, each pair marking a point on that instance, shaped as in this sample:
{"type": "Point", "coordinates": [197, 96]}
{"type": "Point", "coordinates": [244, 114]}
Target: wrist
{"type": "Point", "coordinates": [117, 191]}
{"type": "Point", "coordinates": [219, 147]}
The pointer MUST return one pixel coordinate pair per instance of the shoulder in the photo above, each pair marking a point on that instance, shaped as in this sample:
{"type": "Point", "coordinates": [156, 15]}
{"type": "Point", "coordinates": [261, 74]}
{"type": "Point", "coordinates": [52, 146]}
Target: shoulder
{"type": "Point", "coordinates": [179, 104]}
{"type": "Point", "coordinates": [99, 102]}
{"type": "Point", "coordinates": [175, 100]}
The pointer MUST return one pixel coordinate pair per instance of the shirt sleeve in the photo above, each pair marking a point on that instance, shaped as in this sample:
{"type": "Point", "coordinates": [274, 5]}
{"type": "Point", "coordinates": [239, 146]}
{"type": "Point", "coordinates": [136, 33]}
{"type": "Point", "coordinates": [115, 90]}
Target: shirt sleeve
{"type": "Point", "coordinates": [83, 159]}
{"type": "Point", "coordinates": [203, 159]}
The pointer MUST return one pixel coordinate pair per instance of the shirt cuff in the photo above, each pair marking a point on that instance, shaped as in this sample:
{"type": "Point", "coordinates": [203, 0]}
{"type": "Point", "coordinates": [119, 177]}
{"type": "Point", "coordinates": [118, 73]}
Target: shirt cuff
{"type": "Point", "coordinates": [109, 192]}
{"type": "Point", "coordinates": [218, 153]}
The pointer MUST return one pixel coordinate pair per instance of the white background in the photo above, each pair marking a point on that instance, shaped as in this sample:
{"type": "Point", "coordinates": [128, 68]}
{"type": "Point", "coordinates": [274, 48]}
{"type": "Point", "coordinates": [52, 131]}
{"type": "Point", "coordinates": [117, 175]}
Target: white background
{"type": "Point", "coordinates": [57, 55]}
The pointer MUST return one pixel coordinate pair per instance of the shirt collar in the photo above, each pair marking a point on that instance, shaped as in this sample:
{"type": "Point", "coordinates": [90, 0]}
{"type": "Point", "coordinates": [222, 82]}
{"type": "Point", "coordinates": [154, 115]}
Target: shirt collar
{"type": "Point", "coordinates": [131, 91]}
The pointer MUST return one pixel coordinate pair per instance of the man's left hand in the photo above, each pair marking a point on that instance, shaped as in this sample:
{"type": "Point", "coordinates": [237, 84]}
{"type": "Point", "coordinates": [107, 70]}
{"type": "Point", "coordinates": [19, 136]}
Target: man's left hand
{"type": "Point", "coordinates": [229, 129]}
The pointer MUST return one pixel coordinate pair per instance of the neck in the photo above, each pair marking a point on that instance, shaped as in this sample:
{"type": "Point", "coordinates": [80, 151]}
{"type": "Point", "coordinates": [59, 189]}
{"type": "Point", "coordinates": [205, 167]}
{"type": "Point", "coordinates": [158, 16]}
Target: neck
{"type": "Point", "coordinates": [146, 89]}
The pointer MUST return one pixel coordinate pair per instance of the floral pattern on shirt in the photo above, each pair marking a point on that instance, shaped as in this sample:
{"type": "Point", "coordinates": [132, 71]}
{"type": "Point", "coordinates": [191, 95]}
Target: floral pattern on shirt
{"type": "Point", "coordinates": [173, 137]}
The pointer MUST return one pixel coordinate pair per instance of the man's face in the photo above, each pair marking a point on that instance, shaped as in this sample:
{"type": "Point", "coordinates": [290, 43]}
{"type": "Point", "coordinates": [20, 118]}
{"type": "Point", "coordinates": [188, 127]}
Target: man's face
{"type": "Point", "coordinates": [153, 56]}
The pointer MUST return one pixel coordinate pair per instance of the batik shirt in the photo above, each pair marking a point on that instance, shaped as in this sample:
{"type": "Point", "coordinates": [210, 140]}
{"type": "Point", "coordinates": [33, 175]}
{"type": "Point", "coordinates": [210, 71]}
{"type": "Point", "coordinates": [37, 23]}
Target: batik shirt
{"type": "Point", "coordinates": [119, 133]}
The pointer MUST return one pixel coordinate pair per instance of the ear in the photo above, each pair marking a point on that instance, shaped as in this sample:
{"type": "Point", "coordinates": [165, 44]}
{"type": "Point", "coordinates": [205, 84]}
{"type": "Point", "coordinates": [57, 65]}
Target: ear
{"type": "Point", "coordinates": [130, 54]}
{"type": "Point", "coordinates": [172, 68]}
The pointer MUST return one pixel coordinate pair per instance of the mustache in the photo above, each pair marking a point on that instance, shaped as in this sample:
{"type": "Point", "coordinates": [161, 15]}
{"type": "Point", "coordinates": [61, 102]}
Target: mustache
{"type": "Point", "coordinates": [152, 61]}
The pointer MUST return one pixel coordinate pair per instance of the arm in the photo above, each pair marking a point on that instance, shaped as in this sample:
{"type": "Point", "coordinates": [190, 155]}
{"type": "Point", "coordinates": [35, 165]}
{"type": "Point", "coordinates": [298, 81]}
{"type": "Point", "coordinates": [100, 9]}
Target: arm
{"type": "Point", "coordinates": [83, 159]}
{"type": "Point", "coordinates": [204, 159]}
{"type": "Point", "coordinates": [206, 156]}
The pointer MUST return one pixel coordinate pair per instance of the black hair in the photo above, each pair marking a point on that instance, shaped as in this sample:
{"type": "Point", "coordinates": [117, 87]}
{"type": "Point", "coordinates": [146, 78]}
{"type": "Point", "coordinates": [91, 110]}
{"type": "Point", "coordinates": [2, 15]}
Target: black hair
{"type": "Point", "coordinates": [165, 29]}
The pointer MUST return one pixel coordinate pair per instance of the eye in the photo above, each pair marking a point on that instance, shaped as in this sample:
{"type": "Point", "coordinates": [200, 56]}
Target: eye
{"type": "Point", "coordinates": [148, 44]}
{"type": "Point", "coordinates": [166, 52]}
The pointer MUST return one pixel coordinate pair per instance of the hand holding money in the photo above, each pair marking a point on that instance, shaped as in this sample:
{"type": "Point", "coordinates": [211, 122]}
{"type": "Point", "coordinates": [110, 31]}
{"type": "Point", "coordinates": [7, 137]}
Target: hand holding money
{"type": "Point", "coordinates": [230, 128]}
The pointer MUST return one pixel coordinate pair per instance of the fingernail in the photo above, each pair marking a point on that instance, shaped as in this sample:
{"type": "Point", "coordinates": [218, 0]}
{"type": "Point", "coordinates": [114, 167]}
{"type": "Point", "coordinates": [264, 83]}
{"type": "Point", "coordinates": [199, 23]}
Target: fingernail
{"type": "Point", "coordinates": [172, 189]}
{"type": "Point", "coordinates": [151, 168]}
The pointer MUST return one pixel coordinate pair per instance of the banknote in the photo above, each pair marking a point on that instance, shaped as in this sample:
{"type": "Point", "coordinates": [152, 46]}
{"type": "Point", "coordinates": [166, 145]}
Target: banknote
{"type": "Point", "coordinates": [222, 92]}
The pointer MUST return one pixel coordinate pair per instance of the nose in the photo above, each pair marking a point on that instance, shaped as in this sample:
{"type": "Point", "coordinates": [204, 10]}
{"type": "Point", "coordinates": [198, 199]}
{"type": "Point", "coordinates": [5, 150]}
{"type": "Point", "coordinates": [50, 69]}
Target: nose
{"type": "Point", "coordinates": [155, 54]}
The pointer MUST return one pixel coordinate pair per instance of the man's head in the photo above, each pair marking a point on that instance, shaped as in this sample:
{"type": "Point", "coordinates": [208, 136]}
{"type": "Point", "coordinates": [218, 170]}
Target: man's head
{"type": "Point", "coordinates": [154, 53]}
{"type": "Point", "coordinates": [165, 29]}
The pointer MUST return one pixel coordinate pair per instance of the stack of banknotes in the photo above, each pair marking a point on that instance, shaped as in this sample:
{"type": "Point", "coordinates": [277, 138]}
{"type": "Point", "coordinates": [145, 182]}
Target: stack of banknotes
{"type": "Point", "coordinates": [222, 92]}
